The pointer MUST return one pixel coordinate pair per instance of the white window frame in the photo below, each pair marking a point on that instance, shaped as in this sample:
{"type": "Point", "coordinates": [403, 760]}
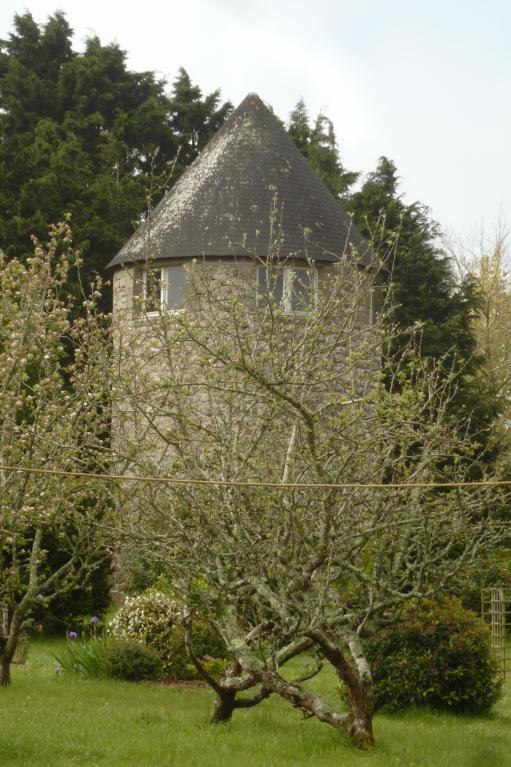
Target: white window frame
{"type": "Point", "coordinates": [164, 281]}
{"type": "Point", "coordinates": [287, 286]}
{"type": "Point", "coordinates": [289, 276]}
{"type": "Point", "coordinates": [375, 301]}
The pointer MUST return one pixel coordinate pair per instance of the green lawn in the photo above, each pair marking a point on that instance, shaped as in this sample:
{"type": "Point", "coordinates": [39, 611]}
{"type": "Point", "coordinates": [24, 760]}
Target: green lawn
{"type": "Point", "coordinates": [50, 721]}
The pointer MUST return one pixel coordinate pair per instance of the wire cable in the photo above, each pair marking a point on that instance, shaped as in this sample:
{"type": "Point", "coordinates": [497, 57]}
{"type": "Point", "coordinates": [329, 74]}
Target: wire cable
{"type": "Point", "coordinates": [257, 484]}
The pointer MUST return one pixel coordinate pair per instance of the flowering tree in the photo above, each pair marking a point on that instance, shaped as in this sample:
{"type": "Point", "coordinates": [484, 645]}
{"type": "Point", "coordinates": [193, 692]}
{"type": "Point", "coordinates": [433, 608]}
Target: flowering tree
{"type": "Point", "coordinates": [488, 264]}
{"type": "Point", "coordinates": [242, 389]}
{"type": "Point", "coordinates": [54, 355]}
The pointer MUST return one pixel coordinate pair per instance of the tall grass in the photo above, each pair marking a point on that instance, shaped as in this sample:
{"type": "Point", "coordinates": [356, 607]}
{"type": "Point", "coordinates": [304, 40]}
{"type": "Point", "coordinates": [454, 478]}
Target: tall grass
{"type": "Point", "coordinates": [87, 658]}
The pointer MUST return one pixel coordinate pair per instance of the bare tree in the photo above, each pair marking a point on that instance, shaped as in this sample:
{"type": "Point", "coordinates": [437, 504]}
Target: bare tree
{"type": "Point", "coordinates": [252, 386]}
{"type": "Point", "coordinates": [54, 363]}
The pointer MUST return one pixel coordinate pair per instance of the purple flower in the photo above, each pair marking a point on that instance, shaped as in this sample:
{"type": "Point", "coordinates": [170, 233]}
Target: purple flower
{"type": "Point", "coordinates": [58, 670]}
{"type": "Point", "coordinates": [94, 620]}
{"type": "Point", "coordinates": [73, 635]}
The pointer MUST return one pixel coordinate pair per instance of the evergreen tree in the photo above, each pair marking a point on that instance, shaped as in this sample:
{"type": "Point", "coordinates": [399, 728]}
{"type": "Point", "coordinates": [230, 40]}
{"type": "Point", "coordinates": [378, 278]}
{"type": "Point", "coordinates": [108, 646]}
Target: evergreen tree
{"type": "Point", "coordinates": [319, 145]}
{"type": "Point", "coordinates": [82, 134]}
{"type": "Point", "coordinates": [299, 128]}
{"type": "Point", "coordinates": [425, 288]}
{"type": "Point", "coordinates": [194, 118]}
{"type": "Point", "coordinates": [324, 158]}
{"type": "Point", "coordinates": [423, 283]}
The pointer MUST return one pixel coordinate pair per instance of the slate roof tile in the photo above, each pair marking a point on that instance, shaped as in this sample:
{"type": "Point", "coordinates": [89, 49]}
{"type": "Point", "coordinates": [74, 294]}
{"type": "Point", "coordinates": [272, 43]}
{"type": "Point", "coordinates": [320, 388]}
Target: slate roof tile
{"type": "Point", "coordinates": [222, 204]}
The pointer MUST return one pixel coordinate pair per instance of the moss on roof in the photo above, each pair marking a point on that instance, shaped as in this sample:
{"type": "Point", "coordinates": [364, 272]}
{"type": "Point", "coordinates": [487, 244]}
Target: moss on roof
{"type": "Point", "coordinates": [248, 189]}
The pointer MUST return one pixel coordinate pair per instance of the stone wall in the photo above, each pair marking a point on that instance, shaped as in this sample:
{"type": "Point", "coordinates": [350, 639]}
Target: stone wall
{"type": "Point", "coordinates": [144, 341]}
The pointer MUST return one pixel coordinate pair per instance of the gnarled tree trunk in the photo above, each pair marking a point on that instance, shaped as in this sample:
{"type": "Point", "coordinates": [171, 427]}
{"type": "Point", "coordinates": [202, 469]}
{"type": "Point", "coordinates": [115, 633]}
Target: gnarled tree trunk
{"type": "Point", "coordinates": [358, 682]}
{"type": "Point", "coordinates": [7, 649]}
{"type": "Point", "coordinates": [225, 701]}
{"type": "Point", "coordinates": [362, 707]}
{"type": "Point", "coordinates": [5, 671]}
{"type": "Point", "coordinates": [9, 643]}
{"type": "Point", "coordinates": [224, 706]}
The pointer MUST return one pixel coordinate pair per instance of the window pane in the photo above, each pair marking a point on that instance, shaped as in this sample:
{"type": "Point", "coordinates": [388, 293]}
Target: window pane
{"type": "Point", "coordinates": [301, 290]}
{"type": "Point", "coordinates": [173, 287]}
{"type": "Point", "coordinates": [152, 290]}
{"type": "Point", "coordinates": [270, 283]}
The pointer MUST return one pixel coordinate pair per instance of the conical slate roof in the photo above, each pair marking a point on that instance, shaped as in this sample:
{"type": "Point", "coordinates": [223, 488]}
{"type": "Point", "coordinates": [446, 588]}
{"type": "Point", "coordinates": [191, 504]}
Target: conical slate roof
{"type": "Point", "coordinates": [222, 204]}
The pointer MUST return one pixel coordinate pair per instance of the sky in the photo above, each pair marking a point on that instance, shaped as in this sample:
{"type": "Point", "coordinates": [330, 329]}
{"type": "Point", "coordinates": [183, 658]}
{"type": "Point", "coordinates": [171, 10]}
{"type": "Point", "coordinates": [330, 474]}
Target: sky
{"type": "Point", "coordinates": [425, 83]}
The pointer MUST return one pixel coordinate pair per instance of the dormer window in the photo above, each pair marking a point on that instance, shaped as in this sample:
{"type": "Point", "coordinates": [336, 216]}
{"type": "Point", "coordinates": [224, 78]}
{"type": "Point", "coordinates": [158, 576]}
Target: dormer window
{"type": "Point", "coordinates": [291, 288]}
{"type": "Point", "coordinates": [164, 289]}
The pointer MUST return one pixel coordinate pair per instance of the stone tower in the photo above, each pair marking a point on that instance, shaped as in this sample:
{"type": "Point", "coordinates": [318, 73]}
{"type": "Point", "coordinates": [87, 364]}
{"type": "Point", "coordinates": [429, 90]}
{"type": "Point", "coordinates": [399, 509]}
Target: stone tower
{"type": "Point", "coordinates": [250, 192]}
{"type": "Point", "coordinates": [250, 225]}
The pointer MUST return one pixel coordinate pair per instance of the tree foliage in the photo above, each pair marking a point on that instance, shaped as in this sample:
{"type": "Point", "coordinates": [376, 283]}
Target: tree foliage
{"type": "Point", "coordinates": [425, 287]}
{"type": "Point", "coordinates": [194, 118]}
{"type": "Point", "coordinates": [53, 416]}
{"type": "Point", "coordinates": [438, 656]}
{"type": "Point", "coordinates": [488, 265]}
{"type": "Point", "coordinates": [84, 135]}
{"type": "Point", "coordinates": [318, 144]}
{"type": "Point", "coordinates": [423, 282]}
{"type": "Point", "coordinates": [426, 291]}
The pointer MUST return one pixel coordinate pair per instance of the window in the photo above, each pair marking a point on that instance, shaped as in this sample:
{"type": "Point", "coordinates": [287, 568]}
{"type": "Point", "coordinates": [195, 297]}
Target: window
{"type": "Point", "coordinates": [270, 284]}
{"type": "Point", "coordinates": [290, 287]}
{"type": "Point", "coordinates": [298, 289]}
{"type": "Point", "coordinates": [164, 289]}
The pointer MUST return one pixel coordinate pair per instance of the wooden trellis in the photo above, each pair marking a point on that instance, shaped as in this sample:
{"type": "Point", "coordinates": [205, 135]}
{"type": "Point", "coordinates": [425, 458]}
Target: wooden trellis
{"type": "Point", "coordinates": [496, 612]}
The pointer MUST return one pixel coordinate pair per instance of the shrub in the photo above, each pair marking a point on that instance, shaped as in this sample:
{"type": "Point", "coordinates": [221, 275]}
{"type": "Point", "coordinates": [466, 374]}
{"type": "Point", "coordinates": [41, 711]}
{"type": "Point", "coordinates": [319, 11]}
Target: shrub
{"type": "Point", "coordinates": [437, 656]}
{"type": "Point", "coordinates": [132, 661]}
{"type": "Point", "coordinates": [207, 646]}
{"type": "Point", "coordinates": [154, 618]}
{"type": "Point", "coordinates": [148, 618]}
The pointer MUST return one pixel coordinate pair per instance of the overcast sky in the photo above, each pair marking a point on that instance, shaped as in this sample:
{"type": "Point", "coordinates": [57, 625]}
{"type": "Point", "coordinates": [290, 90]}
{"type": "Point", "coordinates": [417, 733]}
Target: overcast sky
{"type": "Point", "coordinates": [426, 83]}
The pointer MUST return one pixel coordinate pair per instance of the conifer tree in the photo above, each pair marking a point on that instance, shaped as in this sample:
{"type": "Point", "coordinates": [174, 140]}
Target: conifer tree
{"type": "Point", "coordinates": [194, 118]}
{"type": "Point", "coordinates": [324, 158]}
{"type": "Point", "coordinates": [425, 288]}
{"type": "Point", "coordinates": [84, 135]}
{"type": "Point", "coordinates": [299, 128]}
{"type": "Point", "coordinates": [319, 145]}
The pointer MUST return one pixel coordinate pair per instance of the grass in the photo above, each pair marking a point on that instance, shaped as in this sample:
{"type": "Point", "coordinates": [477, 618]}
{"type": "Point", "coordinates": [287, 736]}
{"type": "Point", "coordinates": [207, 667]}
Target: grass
{"type": "Point", "coordinates": [62, 721]}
